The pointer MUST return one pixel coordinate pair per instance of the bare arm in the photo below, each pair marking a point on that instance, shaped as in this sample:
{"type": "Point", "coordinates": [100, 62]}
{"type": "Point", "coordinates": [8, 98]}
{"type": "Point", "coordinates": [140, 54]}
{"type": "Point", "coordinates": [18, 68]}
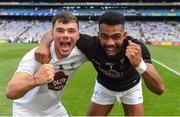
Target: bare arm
{"type": "Point", "coordinates": [150, 76]}
{"type": "Point", "coordinates": [153, 80]}
{"type": "Point", "coordinates": [19, 85]}
{"type": "Point", "coordinates": [42, 53]}
{"type": "Point", "coordinates": [22, 82]}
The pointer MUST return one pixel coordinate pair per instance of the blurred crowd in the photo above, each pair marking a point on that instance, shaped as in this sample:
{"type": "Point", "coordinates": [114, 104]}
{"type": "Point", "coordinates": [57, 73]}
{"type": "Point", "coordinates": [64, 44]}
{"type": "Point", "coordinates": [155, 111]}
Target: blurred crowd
{"type": "Point", "coordinates": [32, 31]}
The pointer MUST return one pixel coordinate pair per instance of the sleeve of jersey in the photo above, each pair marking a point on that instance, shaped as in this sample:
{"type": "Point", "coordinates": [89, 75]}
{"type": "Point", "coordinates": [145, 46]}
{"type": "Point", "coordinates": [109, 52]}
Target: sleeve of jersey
{"type": "Point", "coordinates": [87, 44]}
{"type": "Point", "coordinates": [145, 54]}
{"type": "Point", "coordinates": [28, 63]}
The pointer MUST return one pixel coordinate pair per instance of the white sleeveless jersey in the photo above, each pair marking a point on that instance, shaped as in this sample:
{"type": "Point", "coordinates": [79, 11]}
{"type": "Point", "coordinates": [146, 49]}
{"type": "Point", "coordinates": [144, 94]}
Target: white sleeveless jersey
{"type": "Point", "coordinates": [44, 97]}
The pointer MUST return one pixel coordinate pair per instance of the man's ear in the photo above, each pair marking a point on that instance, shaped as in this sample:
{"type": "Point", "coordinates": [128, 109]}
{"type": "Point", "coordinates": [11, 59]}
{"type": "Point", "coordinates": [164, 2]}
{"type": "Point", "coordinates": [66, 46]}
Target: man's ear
{"type": "Point", "coordinates": [99, 34]}
{"type": "Point", "coordinates": [125, 34]}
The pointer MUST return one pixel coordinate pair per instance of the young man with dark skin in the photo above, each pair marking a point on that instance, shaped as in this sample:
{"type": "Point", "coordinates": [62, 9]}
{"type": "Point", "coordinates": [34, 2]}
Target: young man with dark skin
{"type": "Point", "coordinates": [119, 61]}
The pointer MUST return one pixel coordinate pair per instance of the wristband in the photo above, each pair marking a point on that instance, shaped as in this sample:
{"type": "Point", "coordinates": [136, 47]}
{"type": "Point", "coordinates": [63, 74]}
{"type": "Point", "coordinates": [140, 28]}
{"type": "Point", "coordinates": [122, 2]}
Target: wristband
{"type": "Point", "coordinates": [142, 67]}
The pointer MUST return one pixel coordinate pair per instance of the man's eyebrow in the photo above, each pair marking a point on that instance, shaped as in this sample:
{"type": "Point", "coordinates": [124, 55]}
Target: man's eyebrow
{"type": "Point", "coordinates": [117, 34]}
{"type": "Point", "coordinates": [71, 29]}
{"type": "Point", "coordinates": [59, 29]}
{"type": "Point", "coordinates": [103, 33]}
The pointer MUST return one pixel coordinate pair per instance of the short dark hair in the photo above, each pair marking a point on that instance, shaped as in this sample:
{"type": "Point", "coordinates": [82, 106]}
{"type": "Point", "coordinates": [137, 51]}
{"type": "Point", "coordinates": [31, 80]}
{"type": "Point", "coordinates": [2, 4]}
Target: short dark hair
{"type": "Point", "coordinates": [111, 18]}
{"type": "Point", "coordinates": [65, 18]}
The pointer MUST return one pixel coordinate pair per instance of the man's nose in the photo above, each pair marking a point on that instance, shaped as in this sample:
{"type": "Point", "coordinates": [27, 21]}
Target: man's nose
{"type": "Point", "coordinates": [65, 34]}
{"type": "Point", "coordinates": [110, 42]}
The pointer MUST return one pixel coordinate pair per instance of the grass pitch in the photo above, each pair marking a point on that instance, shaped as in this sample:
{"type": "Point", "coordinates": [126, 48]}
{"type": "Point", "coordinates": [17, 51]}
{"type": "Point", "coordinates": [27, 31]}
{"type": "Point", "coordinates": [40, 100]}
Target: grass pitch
{"type": "Point", "coordinates": [79, 89]}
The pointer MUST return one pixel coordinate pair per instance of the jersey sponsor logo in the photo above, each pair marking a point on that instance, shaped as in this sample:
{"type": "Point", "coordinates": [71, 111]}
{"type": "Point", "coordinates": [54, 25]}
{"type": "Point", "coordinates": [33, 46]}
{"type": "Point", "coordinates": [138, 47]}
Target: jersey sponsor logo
{"type": "Point", "coordinates": [110, 70]}
{"type": "Point", "coordinates": [111, 73]}
{"type": "Point", "coordinates": [59, 81]}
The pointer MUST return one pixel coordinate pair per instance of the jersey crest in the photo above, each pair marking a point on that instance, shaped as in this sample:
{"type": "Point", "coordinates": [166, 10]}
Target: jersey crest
{"type": "Point", "coordinates": [59, 81]}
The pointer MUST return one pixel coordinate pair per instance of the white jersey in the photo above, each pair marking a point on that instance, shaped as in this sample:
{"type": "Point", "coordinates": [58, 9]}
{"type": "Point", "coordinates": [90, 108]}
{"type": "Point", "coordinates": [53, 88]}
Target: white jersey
{"type": "Point", "coordinates": [43, 98]}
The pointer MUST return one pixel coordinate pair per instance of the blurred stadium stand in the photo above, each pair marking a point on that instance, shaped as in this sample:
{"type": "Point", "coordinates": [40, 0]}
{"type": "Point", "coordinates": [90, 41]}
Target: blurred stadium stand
{"type": "Point", "coordinates": [64, 1]}
{"type": "Point", "coordinates": [149, 20]}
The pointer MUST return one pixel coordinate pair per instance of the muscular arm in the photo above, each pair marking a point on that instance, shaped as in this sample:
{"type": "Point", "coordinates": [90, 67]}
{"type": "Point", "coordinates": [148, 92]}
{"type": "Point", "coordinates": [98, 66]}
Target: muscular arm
{"type": "Point", "coordinates": [42, 53]}
{"type": "Point", "coordinates": [150, 76]}
{"type": "Point", "coordinates": [153, 80]}
{"type": "Point", "coordinates": [22, 82]}
{"type": "Point", "coordinates": [19, 85]}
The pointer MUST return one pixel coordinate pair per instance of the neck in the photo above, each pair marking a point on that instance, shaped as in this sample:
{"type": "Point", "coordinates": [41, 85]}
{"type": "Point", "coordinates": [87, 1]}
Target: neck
{"type": "Point", "coordinates": [59, 56]}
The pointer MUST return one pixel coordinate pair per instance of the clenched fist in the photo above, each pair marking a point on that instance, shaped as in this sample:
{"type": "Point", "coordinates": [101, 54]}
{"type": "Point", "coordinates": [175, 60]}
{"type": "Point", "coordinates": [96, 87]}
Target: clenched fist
{"type": "Point", "coordinates": [44, 75]}
{"type": "Point", "coordinates": [133, 52]}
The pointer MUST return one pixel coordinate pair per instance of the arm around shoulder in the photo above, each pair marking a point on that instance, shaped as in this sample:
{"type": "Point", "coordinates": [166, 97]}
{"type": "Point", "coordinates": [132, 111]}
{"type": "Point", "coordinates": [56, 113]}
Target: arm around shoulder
{"type": "Point", "coordinates": [42, 53]}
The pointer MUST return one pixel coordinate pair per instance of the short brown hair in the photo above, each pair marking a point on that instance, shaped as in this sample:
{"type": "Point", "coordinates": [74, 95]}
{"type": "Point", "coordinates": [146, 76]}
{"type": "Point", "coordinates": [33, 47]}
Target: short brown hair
{"type": "Point", "coordinates": [65, 18]}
